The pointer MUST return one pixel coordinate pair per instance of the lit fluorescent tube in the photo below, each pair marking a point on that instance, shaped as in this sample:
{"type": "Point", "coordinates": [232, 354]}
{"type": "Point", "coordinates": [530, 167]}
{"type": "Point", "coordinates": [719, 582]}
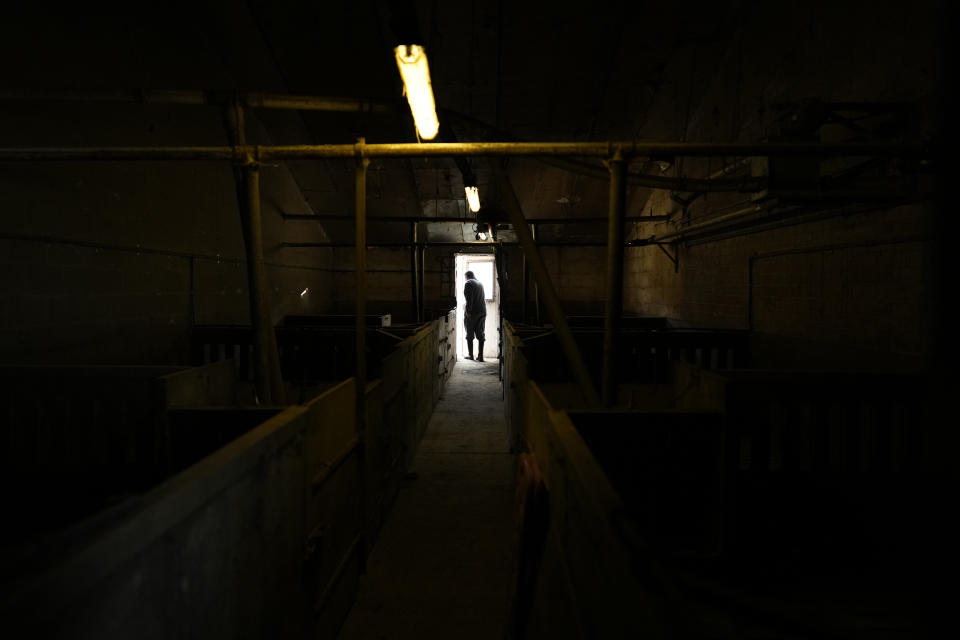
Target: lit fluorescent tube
{"type": "Point", "coordinates": [412, 62]}
{"type": "Point", "coordinates": [473, 198]}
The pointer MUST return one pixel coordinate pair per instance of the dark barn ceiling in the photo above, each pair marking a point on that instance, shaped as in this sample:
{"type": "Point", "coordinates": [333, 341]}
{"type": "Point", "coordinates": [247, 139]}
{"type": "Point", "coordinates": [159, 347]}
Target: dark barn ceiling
{"type": "Point", "coordinates": [534, 70]}
{"type": "Point", "coordinates": [500, 71]}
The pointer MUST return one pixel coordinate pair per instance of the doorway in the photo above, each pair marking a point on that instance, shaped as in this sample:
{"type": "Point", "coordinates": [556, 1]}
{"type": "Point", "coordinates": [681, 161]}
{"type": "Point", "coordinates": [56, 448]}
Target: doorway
{"type": "Point", "coordinates": [484, 269]}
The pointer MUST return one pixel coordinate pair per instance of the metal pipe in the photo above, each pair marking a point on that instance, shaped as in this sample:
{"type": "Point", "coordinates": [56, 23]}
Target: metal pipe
{"type": "Point", "coordinates": [414, 275]}
{"type": "Point", "coordinates": [421, 262]}
{"type": "Point", "coordinates": [360, 329]}
{"type": "Point", "coordinates": [255, 100]}
{"type": "Point", "coordinates": [628, 149]}
{"type": "Point", "coordinates": [260, 318]}
{"type": "Point", "coordinates": [601, 149]}
{"type": "Point", "coordinates": [126, 248]}
{"type": "Point", "coordinates": [138, 96]}
{"type": "Point", "coordinates": [360, 284]}
{"type": "Point", "coordinates": [454, 245]}
{"type": "Point", "coordinates": [747, 184]}
{"type": "Point", "coordinates": [536, 287]}
{"type": "Point", "coordinates": [551, 299]}
{"type": "Point", "coordinates": [277, 390]}
{"type": "Point", "coordinates": [694, 228]}
{"type": "Point", "coordinates": [407, 219]}
{"type": "Point", "coordinates": [636, 179]}
{"type": "Point", "coordinates": [613, 308]}
{"type": "Point", "coordinates": [524, 277]}
{"type": "Point", "coordinates": [315, 103]}
{"type": "Point", "coordinates": [268, 380]}
{"type": "Point", "coordinates": [320, 103]}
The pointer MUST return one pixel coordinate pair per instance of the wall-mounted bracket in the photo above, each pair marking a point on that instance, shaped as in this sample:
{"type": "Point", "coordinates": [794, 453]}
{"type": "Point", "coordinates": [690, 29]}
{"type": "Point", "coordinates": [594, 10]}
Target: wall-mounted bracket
{"type": "Point", "coordinates": [675, 258]}
{"type": "Point", "coordinates": [652, 240]}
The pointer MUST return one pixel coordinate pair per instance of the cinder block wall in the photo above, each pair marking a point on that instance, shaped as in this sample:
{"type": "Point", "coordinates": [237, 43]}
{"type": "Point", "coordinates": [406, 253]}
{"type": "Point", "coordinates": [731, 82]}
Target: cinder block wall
{"type": "Point", "coordinates": [859, 278]}
{"type": "Point", "coordinates": [113, 262]}
{"type": "Point", "coordinates": [577, 273]}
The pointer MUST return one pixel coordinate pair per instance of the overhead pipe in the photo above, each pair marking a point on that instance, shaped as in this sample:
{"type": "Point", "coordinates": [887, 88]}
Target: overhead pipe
{"type": "Point", "coordinates": [552, 301]}
{"type": "Point", "coordinates": [628, 149]}
{"type": "Point", "coordinates": [404, 245]}
{"type": "Point", "coordinates": [267, 100]}
{"type": "Point", "coordinates": [613, 308]}
{"type": "Point", "coordinates": [451, 219]}
{"type": "Point", "coordinates": [256, 100]}
{"type": "Point", "coordinates": [740, 214]}
{"type": "Point", "coordinates": [748, 185]}
{"type": "Point", "coordinates": [261, 100]}
{"type": "Point", "coordinates": [697, 190]}
{"type": "Point", "coordinates": [335, 104]}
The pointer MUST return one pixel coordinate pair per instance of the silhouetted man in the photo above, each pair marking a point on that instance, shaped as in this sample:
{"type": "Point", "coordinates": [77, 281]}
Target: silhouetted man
{"type": "Point", "coordinates": [475, 314]}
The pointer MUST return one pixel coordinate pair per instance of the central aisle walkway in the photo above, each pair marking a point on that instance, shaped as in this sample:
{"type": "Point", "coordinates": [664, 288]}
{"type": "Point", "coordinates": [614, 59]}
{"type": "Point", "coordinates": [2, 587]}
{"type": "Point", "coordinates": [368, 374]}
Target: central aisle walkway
{"type": "Point", "coordinates": [441, 567]}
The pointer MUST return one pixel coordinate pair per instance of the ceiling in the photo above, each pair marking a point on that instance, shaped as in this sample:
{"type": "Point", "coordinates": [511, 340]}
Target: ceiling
{"type": "Point", "coordinates": [500, 71]}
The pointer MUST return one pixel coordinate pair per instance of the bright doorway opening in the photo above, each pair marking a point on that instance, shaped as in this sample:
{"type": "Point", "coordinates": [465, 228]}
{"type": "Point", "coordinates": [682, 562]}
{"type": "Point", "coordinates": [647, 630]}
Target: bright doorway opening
{"type": "Point", "coordinates": [484, 269]}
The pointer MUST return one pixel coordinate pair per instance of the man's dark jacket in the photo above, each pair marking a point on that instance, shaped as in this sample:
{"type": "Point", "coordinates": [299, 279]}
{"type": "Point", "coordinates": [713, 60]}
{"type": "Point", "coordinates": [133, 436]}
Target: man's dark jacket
{"type": "Point", "coordinates": [476, 300]}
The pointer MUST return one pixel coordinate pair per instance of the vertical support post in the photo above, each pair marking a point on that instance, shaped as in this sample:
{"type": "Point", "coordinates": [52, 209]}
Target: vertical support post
{"type": "Point", "coordinates": [266, 360]}
{"type": "Point", "coordinates": [550, 298]}
{"type": "Point", "coordinates": [360, 278]}
{"type": "Point", "coordinates": [193, 293]}
{"type": "Point", "coordinates": [614, 305]}
{"type": "Point", "coordinates": [525, 284]}
{"type": "Point", "coordinates": [414, 275]}
{"type": "Point", "coordinates": [421, 255]}
{"type": "Point", "coordinates": [265, 338]}
{"type": "Point", "coordinates": [536, 287]}
{"type": "Point", "coordinates": [360, 311]}
{"type": "Point", "coordinates": [501, 294]}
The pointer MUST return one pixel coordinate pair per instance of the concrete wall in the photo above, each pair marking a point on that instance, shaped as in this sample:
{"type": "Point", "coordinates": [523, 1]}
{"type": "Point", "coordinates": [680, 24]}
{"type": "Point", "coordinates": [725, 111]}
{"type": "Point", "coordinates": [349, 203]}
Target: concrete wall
{"type": "Point", "coordinates": [578, 274]}
{"type": "Point", "coordinates": [858, 278]}
{"type": "Point", "coordinates": [113, 262]}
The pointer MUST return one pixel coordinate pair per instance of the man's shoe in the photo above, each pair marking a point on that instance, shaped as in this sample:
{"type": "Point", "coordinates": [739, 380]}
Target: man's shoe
{"type": "Point", "coordinates": [468, 357]}
{"type": "Point", "coordinates": [479, 358]}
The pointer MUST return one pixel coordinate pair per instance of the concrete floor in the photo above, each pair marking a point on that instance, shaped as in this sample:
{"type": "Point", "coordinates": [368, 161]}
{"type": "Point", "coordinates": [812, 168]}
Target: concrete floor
{"type": "Point", "coordinates": [441, 567]}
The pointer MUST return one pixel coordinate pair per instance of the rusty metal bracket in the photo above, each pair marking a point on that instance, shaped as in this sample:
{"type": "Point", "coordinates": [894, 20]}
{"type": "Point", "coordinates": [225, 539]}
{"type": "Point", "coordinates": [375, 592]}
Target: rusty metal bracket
{"type": "Point", "coordinates": [675, 259]}
{"type": "Point", "coordinates": [652, 240]}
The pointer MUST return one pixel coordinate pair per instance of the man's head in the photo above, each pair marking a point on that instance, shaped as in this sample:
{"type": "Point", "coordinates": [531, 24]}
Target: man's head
{"type": "Point", "coordinates": [470, 275]}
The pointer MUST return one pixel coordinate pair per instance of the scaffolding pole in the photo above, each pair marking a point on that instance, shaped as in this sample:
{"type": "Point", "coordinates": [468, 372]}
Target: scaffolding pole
{"type": "Point", "coordinates": [551, 300]}
{"type": "Point", "coordinates": [414, 275]}
{"type": "Point", "coordinates": [360, 328]}
{"type": "Point", "coordinates": [256, 100]}
{"type": "Point", "coordinates": [268, 380]}
{"type": "Point", "coordinates": [613, 307]}
{"type": "Point", "coordinates": [628, 150]}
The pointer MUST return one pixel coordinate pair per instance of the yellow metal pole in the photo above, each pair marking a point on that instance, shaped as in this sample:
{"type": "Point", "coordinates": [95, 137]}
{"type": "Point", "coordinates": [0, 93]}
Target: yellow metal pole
{"type": "Point", "coordinates": [545, 287]}
{"type": "Point", "coordinates": [613, 308]}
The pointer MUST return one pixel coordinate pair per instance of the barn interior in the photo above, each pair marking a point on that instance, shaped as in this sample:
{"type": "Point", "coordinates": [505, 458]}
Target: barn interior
{"type": "Point", "coordinates": [719, 362]}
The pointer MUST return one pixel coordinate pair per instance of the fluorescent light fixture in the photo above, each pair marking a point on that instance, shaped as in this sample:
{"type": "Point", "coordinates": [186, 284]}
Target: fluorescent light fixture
{"type": "Point", "coordinates": [412, 62]}
{"type": "Point", "coordinates": [473, 198]}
